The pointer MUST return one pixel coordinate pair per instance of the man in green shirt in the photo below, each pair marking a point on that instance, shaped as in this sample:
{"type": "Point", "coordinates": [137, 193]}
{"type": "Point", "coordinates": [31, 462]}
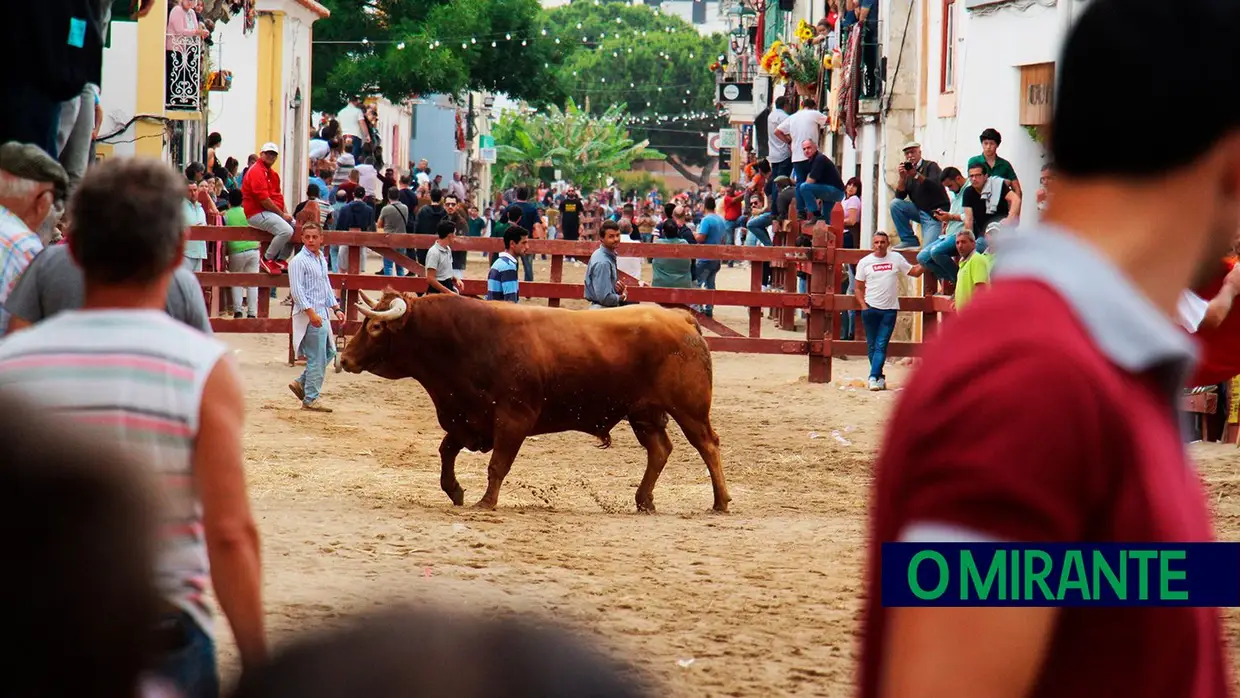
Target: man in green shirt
{"type": "Point", "coordinates": [974, 266]}
{"type": "Point", "coordinates": [242, 258]}
{"type": "Point", "coordinates": [995, 165]}
{"type": "Point", "coordinates": [671, 272]}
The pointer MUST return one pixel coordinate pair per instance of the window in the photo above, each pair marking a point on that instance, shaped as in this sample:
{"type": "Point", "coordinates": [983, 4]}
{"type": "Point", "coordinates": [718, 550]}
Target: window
{"type": "Point", "coordinates": [948, 75]}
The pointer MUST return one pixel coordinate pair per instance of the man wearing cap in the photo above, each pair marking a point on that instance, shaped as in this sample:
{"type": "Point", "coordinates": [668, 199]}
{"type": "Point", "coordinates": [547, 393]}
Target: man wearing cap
{"type": "Point", "coordinates": [919, 195]}
{"type": "Point", "coordinates": [262, 199]}
{"type": "Point", "coordinates": [995, 165]}
{"type": "Point", "coordinates": [32, 189]}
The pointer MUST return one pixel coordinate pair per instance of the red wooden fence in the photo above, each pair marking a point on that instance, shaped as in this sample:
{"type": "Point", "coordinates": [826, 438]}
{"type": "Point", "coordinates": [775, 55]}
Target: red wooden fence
{"type": "Point", "coordinates": [823, 303]}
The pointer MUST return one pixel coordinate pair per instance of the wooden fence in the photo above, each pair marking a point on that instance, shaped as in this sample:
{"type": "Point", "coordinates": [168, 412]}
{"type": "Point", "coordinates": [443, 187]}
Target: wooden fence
{"type": "Point", "coordinates": [823, 303]}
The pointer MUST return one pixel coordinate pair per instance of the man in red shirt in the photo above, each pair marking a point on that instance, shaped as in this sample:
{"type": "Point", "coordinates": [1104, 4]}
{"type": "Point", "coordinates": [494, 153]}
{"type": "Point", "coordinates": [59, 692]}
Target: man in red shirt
{"type": "Point", "coordinates": [1047, 413]}
{"type": "Point", "coordinates": [1219, 331]}
{"type": "Point", "coordinates": [262, 199]}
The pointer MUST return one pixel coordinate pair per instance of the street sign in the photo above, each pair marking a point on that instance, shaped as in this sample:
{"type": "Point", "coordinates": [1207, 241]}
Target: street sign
{"type": "Point", "coordinates": [487, 155]}
{"type": "Point", "coordinates": [712, 144]}
{"type": "Point", "coordinates": [485, 141]}
{"type": "Point", "coordinates": [729, 138]}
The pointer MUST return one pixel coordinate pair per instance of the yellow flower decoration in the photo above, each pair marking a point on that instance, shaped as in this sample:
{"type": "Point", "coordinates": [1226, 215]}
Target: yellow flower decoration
{"type": "Point", "coordinates": [804, 31]}
{"type": "Point", "coordinates": [828, 61]}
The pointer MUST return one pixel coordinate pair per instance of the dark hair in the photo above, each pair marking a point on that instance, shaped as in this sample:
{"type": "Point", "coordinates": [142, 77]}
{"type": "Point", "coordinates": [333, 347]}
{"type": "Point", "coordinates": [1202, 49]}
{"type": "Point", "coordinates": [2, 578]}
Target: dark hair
{"type": "Point", "coordinates": [194, 170]}
{"type": "Point", "coordinates": [423, 653]}
{"type": "Point", "coordinates": [436, 195]}
{"type": "Point", "coordinates": [514, 235]}
{"type": "Point", "coordinates": [808, 103]}
{"type": "Point", "coordinates": [781, 102]}
{"type": "Point", "coordinates": [951, 173]}
{"type": "Point", "coordinates": [991, 135]}
{"type": "Point", "coordinates": [669, 209]}
{"type": "Point", "coordinates": [708, 203]}
{"type": "Point", "coordinates": [523, 193]}
{"type": "Point", "coordinates": [137, 221]}
{"type": "Point", "coordinates": [445, 229]}
{"type": "Point", "coordinates": [668, 229]}
{"type": "Point", "coordinates": [368, 161]}
{"type": "Point", "coordinates": [312, 190]}
{"type": "Point", "coordinates": [406, 179]}
{"type": "Point", "coordinates": [231, 165]}
{"type": "Point", "coordinates": [79, 509]}
{"type": "Point", "coordinates": [879, 232]}
{"type": "Point", "coordinates": [856, 182]}
{"type": "Point", "coordinates": [764, 166]}
{"type": "Point", "coordinates": [608, 225]}
{"type": "Point", "coordinates": [214, 140]}
{"type": "Point", "coordinates": [235, 197]}
{"type": "Point", "coordinates": [513, 214]}
{"type": "Point", "coordinates": [393, 194]}
{"type": "Point", "coordinates": [359, 192]}
{"type": "Point", "coordinates": [1089, 84]}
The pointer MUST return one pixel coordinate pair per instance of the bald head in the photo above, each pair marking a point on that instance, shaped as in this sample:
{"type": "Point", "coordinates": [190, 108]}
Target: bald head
{"type": "Point", "coordinates": [810, 148]}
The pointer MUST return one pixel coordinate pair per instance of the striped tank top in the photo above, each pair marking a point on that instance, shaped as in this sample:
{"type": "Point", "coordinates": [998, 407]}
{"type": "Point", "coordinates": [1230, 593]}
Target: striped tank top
{"type": "Point", "coordinates": [135, 376]}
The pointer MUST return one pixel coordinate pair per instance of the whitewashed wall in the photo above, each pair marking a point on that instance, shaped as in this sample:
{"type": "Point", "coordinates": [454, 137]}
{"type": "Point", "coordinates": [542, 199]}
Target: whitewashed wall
{"type": "Point", "coordinates": [118, 94]}
{"type": "Point", "coordinates": [231, 114]}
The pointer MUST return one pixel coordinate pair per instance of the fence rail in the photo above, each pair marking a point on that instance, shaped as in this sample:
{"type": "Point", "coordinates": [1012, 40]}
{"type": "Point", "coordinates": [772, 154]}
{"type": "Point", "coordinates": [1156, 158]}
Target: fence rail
{"type": "Point", "coordinates": [824, 308]}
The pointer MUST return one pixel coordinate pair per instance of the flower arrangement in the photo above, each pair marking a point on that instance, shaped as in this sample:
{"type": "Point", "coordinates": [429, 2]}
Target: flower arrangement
{"type": "Point", "coordinates": [800, 65]}
{"type": "Point", "coordinates": [805, 31]}
{"type": "Point", "coordinates": [772, 60]}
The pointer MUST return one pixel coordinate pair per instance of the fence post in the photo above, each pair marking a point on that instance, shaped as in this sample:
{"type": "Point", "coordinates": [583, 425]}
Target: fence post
{"type": "Point", "coordinates": [792, 230]}
{"type": "Point", "coordinates": [822, 283]}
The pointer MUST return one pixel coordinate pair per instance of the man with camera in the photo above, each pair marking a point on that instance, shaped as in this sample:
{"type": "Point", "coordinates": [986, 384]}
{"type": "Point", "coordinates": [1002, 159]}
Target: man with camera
{"type": "Point", "coordinates": [919, 195]}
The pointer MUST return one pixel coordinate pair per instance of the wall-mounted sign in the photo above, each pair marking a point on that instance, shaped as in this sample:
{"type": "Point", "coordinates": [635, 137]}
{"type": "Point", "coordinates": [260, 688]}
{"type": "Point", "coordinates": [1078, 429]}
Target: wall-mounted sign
{"type": "Point", "coordinates": [487, 155]}
{"type": "Point", "coordinates": [1037, 94]}
{"type": "Point", "coordinates": [712, 144]}
{"type": "Point", "coordinates": [729, 138]}
{"type": "Point", "coordinates": [734, 92]}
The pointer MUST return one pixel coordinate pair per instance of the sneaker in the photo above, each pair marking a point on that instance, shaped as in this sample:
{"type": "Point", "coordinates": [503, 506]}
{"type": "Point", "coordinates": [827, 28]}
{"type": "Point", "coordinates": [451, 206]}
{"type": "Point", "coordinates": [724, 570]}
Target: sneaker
{"type": "Point", "coordinates": [906, 246]}
{"type": "Point", "coordinates": [298, 390]}
{"type": "Point", "coordinates": [237, 315]}
{"type": "Point", "coordinates": [882, 383]}
{"type": "Point", "coordinates": [269, 266]}
{"type": "Point", "coordinates": [316, 406]}
{"type": "Point", "coordinates": [282, 264]}
{"type": "Point", "coordinates": [874, 384]}
{"type": "Point", "coordinates": [251, 316]}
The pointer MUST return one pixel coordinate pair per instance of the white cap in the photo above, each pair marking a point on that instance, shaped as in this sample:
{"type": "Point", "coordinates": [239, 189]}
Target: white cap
{"type": "Point", "coordinates": [270, 148]}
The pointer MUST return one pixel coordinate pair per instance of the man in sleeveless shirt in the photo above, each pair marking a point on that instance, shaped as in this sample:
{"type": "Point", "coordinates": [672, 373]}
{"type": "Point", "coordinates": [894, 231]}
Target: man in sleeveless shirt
{"type": "Point", "coordinates": [121, 369]}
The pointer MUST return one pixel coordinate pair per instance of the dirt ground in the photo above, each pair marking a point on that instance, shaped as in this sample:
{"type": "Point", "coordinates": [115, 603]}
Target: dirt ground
{"type": "Point", "coordinates": [760, 602]}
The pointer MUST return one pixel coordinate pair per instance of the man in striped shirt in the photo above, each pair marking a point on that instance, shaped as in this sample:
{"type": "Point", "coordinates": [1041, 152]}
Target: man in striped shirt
{"type": "Point", "coordinates": [123, 371]}
{"type": "Point", "coordinates": [32, 184]}
{"type": "Point", "coordinates": [503, 283]}
{"type": "Point", "coordinates": [314, 303]}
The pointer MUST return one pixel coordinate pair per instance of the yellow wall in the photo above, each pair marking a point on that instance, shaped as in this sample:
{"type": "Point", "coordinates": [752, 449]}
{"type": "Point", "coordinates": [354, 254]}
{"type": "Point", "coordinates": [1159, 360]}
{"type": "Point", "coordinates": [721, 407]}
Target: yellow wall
{"type": "Point", "coordinates": [149, 135]}
{"type": "Point", "coordinates": [268, 121]}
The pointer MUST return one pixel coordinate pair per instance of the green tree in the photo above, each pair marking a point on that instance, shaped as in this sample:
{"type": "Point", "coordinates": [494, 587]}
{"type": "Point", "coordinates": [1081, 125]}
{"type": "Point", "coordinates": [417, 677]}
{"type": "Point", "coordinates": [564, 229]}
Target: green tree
{"type": "Point", "coordinates": [415, 47]}
{"type": "Point", "coordinates": [586, 148]}
{"type": "Point", "coordinates": [656, 63]}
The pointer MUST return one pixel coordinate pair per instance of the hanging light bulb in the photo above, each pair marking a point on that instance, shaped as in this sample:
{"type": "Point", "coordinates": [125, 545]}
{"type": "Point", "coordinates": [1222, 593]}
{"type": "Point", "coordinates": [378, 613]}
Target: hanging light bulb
{"type": "Point", "coordinates": [632, 85]}
{"type": "Point", "coordinates": [691, 54]}
{"type": "Point", "coordinates": [523, 42]}
{"type": "Point", "coordinates": [508, 36]}
{"type": "Point", "coordinates": [584, 40]}
{"type": "Point", "coordinates": [579, 25]}
{"type": "Point", "coordinates": [432, 45]}
{"type": "Point", "coordinates": [400, 46]}
{"type": "Point", "coordinates": [492, 44]}
{"type": "Point", "coordinates": [473, 40]}
{"type": "Point", "coordinates": [365, 41]}
{"type": "Point", "coordinates": [544, 32]}
{"type": "Point", "coordinates": [618, 20]}
{"type": "Point", "coordinates": [614, 54]}
{"type": "Point", "coordinates": [464, 45]}
{"type": "Point", "coordinates": [557, 39]}
{"type": "Point", "coordinates": [630, 49]}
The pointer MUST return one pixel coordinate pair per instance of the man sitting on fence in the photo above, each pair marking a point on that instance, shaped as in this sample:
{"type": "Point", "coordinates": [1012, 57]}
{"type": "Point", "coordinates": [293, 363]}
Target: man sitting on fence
{"type": "Point", "coordinates": [263, 201]}
{"type": "Point", "coordinates": [503, 282]}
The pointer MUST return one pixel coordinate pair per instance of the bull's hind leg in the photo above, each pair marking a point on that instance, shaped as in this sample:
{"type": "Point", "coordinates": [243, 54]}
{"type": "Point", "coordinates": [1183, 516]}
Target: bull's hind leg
{"type": "Point", "coordinates": [698, 431]}
{"type": "Point", "coordinates": [651, 432]}
{"type": "Point", "coordinates": [449, 449]}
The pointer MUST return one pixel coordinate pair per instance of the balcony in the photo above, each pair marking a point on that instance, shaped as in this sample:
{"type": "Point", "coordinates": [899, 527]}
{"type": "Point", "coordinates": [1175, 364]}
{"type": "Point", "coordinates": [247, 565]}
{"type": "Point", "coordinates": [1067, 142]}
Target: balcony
{"type": "Point", "coordinates": [185, 67]}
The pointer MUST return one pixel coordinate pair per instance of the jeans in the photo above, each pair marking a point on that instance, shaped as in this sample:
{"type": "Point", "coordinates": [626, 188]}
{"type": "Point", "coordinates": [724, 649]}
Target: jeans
{"type": "Point", "coordinates": [244, 263]}
{"type": "Point", "coordinates": [318, 352]}
{"type": "Point", "coordinates": [936, 257]}
{"type": "Point", "coordinates": [527, 264]}
{"type": "Point", "coordinates": [191, 264]}
{"type": "Point", "coordinates": [388, 264]}
{"type": "Point", "coordinates": [77, 121]}
{"type": "Point", "coordinates": [191, 668]}
{"type": "Point", "coordinates": [778, 169]}
{"type": "Point", "coordinates": [800, 170]}
{"type": "Point", "coordinates": [759, 227]}
{"type": "Point", "coordinates": [879, 324]}
{"type": "Point", "coordinates": [809, 194]}
{"type": "Point", "coordinates": [904, 213]}
{"type": "Point", "coordinates": [707, 270]}
{"type": "Point", "coordinates": [281, 231]}
{"type": "Point", "coordinates": [848, 323]}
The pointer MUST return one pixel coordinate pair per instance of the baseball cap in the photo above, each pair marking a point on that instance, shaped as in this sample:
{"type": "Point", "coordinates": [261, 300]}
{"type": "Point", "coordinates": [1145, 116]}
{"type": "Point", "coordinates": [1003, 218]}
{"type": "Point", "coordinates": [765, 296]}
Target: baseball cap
{"type": "Point", "coordinates": [270, 147]}
{"type": "Point", "coordinates": [912, 144]}
{"type": "Point", "coordinates": [28, 161]}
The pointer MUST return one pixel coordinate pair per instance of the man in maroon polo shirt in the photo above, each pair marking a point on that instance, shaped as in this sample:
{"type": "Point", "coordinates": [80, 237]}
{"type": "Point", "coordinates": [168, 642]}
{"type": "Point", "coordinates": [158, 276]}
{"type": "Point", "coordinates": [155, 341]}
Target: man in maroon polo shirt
{"type": "Point", "coordinates": [1048, 412]}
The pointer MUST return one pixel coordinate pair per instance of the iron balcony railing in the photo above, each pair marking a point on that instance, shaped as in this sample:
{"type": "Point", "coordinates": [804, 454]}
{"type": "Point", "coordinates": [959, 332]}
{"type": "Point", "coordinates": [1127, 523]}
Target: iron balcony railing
{"type": "Point", "coordinates": [185, 73]}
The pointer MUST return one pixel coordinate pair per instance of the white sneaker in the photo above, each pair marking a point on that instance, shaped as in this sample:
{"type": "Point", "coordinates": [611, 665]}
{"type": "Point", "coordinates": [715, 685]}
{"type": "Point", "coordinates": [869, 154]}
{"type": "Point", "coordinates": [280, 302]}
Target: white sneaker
{"type": "Point", "coordinates": [874, 384]}
{"type": "Point", "coordinates": [882, 383]}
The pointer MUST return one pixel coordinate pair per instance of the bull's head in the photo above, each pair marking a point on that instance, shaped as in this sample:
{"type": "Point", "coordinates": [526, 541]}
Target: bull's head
{"type": "Point", "coordinates": [371, 349]}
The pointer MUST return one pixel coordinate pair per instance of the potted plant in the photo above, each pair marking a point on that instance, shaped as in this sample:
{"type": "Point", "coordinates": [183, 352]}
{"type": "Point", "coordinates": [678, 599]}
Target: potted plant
{"type": "Point", "coordinates": [801, 65]}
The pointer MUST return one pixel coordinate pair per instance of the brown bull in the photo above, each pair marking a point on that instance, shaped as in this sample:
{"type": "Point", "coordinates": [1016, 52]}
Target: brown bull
{"type": "Point", "coordinates": [498, 373]}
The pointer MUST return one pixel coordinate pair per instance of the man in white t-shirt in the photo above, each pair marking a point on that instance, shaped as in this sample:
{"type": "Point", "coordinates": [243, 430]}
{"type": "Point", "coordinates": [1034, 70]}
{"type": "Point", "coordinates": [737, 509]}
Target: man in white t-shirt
{"type": "Point", "coordinates": [780, 155]}
{"type": "Point", "coordinates": [805, 125]}
{"type": "Point", "coordinates": [352, 123]}
{"type": "Point", "coordinates": [878, 292]}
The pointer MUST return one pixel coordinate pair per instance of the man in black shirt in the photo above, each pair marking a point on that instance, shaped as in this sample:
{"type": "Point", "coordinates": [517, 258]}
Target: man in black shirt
{"type": "Point", "coordinates": [988, 199]}
{"type": "Point", "coordinates": [570, 215]}
{"type": "Point", "coordinates": [822, 184]}
{"type": "Point", "coordinates": [427, 221]}
{"type": "Point", "coordinates": [919, 195]}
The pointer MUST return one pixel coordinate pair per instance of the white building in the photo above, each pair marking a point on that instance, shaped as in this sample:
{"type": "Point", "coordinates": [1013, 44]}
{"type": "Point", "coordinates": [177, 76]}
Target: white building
{"type": "Point", "coordinates": [268, 99]}
{"type": "Point", "coordinates": [991, 64]}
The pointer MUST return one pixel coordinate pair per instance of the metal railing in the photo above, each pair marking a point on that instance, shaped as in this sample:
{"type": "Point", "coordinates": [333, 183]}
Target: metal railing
{"type": "Point", "coordinates": [185, 73]}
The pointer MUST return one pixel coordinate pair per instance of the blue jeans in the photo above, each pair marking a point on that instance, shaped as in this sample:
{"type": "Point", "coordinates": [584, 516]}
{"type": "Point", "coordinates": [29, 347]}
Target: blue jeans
{"type": "Point", "coordinates": [936, 257]}
{"type": "Point", "coordinates": [318, 351]}
{"type": "Point", "coordinates": [707, 270]}
{"type": "Point", "coordinates": [388, 264]}
{"type": "Point", "coordinates": [800, 170]}
{"type": "Point", "coordinates": [778, 169]}
{"type": "Point", "coordinates": [904, 213]}
{"type": "Point", "coordinates": [809, 194]}
{"type": "Point", "coordinates": [848, 323]}
{"type": "Point", "coordinates": [191, 669]}
{"type": "Point", "coordinates": [879, 324]}
{"type": "Point", "coordinates": [759, 229]}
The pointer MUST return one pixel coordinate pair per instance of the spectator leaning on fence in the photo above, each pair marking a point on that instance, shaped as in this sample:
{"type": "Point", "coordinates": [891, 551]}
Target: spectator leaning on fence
{"type": "Point", "coordinates": [602, 286]}
{"type": "Point", "coordinates": [263, 201]}
{"type": "Point", "coordinates": [32, 186]}
{"type": "Point", "coordinates": [503, 282]}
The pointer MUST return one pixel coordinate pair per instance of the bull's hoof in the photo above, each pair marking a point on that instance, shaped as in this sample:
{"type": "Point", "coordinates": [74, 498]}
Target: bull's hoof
{"type": "Point", "coordinates": [646, 507]}
{"type": "Point", "coordinates": [720, 508]}
{"type": "Point", "coordinates": [484, 505]}
{"type": "Point", "coordinates": [457, 497]}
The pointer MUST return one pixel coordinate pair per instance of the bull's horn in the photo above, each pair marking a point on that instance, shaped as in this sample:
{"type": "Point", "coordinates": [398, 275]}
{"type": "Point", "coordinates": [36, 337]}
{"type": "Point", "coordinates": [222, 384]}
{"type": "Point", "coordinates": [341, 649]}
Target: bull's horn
{"type": "Point", "coordinates": [366, 299]}
{"type": "Point", "coordinates": [394, 312]}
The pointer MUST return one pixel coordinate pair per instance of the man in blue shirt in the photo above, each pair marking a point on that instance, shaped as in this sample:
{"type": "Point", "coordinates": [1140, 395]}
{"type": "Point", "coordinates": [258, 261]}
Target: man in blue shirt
{"type": "Point", "coordinates": [713, 230]}
{"type": "Point", "coordinates": [314, 307]}
{"type": "Point", "coordinates": [502, 281]}
{"type": "Point", "coordinates": [603, 286]}
{"type": "Point", "coordinates": [823, 183]}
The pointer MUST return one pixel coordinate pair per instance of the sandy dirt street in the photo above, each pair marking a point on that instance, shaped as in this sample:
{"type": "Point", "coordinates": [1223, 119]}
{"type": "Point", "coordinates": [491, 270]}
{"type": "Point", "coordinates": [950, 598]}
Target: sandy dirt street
{"type": "Point", "coordinates": [760, 602]}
